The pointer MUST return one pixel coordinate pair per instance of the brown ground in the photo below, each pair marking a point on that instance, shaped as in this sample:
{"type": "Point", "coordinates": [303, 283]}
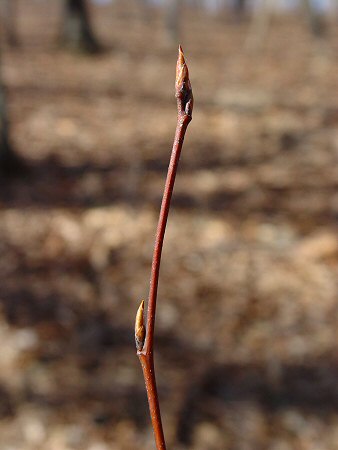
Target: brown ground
{"type": "Point", "coordinates": [247, 323]}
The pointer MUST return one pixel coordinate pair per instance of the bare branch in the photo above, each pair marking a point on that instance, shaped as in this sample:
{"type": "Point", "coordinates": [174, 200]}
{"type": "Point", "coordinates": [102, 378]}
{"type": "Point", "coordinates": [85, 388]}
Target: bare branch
{"type": "Point", "coordinates": [145, 348]}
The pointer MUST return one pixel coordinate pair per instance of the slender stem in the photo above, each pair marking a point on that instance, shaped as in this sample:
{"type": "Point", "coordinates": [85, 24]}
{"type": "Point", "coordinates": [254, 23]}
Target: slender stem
{"type": "Point", "coordinates": [182, 125]}
{"type": "Point", "coordinates": [147, 363]}
{"type": "Point", "coordinates": [145, 337]}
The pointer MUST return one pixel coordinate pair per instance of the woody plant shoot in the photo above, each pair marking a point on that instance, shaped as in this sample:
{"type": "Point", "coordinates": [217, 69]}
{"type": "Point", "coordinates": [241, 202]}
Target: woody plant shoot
{"type": "Point", "coordinates": [144, 334]}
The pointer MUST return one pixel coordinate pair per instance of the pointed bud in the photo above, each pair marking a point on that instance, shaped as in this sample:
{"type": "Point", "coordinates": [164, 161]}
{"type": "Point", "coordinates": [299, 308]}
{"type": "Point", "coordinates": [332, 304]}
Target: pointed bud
{"type": "Point", "coordinates": [182, 85]}
{"type": "Point", "coordinates": [182, 72]}
{"type": "Point", "coordinates": [140, 331]}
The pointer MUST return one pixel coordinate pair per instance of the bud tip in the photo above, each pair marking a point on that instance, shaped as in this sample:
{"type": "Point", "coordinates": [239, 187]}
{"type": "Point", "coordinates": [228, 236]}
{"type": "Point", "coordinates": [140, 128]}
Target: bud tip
{"type": "Point", "coordinates": [182, 86]}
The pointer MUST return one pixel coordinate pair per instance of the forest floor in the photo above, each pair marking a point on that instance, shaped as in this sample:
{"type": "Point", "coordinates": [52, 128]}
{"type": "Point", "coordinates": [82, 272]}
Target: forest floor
{"type": "Point", "coordinates": [247, 325]}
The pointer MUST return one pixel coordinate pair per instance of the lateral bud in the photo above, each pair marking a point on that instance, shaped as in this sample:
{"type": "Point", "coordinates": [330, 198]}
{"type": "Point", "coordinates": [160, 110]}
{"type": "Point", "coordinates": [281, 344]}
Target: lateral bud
{"type": "Point", "coordinates": [140, 331]}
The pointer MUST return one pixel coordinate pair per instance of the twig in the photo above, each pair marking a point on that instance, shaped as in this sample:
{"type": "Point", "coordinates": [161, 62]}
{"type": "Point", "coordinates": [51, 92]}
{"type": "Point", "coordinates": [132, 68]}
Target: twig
{"type": "Point", "coordinates": [144, 337]}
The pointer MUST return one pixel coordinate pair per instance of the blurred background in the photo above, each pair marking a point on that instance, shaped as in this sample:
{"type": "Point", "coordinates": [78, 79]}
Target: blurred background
{"type": "Point", "coordinates": [247, 324]}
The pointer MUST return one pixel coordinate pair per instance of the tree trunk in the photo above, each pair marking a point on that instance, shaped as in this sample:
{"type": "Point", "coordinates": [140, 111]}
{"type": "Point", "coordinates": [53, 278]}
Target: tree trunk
{"type": "Point", "coordinates": [172, 22]}
{"type": "Point", "coordinates": [316, 24]}
{"type": "Point", "coordinates": [262, 17]}
{"type": "Point", "coordinates": [77, 32]}
{"type": "Point", "coordinates": [10, 163]}
{"type": "Point", "coordinates": [259, 25]}
{"type": "Point", "coordinates": [8, 12]}
{"type": "Point", "coordinates": [240, 7]}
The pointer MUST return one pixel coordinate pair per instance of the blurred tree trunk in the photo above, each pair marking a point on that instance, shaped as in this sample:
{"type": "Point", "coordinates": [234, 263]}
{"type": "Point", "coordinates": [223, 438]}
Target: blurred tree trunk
{"type": "Point", "coordinates": [240, 7]}
{"type": "Point", "coordinates": [145, 10]}
{"type": "Point", "coordinates": [77, 32]}
{"type": "Point", "coordinates": [316, 24]}
{"type": "Point", "coordinates": [172, 20]}
{"type": "Point", "coordinates": [262, 17]}
{"type": "Point", "coordinates": [259, 25]}
{"type": "Point", "coordinates": [10, 162]}
{"type": "Point", "coordinates": [8, 13]}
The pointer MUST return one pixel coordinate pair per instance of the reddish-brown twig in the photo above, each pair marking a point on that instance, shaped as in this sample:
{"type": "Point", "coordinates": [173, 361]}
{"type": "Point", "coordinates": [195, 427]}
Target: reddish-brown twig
{"type": "Point", "coordinates": [144, 336]}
